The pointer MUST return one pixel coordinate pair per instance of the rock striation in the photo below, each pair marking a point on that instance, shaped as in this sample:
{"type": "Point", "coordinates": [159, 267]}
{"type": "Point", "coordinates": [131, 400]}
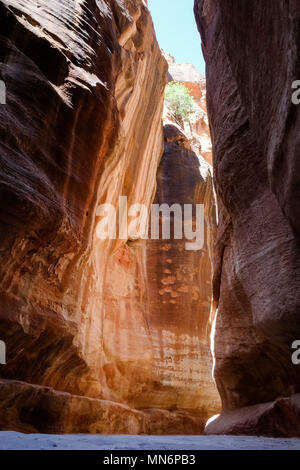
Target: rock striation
{"type": "Point", "coordinates": [252, 54]}
{"type": "Point", "coordinates": [179, 283]}
{"type": "Point", "coordinates": [158, 298]}
{"type": "Point", "coordinates": [80, 77]}
{"type": "Point", "coordinates": [90, 345]}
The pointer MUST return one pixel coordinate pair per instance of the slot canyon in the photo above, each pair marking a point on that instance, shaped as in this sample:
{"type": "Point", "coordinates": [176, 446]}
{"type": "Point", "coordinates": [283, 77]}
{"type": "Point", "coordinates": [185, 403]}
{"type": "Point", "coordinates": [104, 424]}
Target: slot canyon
{"type": "Point", "coordinates": [132, 335]}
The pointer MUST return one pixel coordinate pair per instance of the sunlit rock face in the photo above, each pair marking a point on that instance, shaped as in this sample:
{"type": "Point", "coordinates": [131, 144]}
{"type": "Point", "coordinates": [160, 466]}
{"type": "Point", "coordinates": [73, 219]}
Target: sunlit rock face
{"type": "Point", "coordinates": [252, 54]}
{"type": "Point", "coordinates": [188, 75]}
{"type": "Point", "coordinates": [197, 127]}
{"type": "Point", "coordinates": [97, 336]}
{"type": "Point", "coordinates": [158, 300]}
{"type": "Point", "coordinates": [82, 125]}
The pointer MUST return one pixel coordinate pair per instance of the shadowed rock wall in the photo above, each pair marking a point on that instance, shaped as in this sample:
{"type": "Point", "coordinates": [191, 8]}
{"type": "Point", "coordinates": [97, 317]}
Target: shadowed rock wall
{"type": "Point", "coordinates": [252, 54]}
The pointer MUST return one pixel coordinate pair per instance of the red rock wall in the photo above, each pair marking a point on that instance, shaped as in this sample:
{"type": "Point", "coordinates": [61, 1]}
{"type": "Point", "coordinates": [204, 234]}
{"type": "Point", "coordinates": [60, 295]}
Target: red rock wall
{"type": "Point", "coordinates": [252, 54]}
{"type": "Point", "coordinates": [158, 300]}
{"type": "Point", "coordinates": [71, 139]}
{"type": "Point", "coordinates": [179, 284]}
{"type": "Point", "coordinates": [82, 126]}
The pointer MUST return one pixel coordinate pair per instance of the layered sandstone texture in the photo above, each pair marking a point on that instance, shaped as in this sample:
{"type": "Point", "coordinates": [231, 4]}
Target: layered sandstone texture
{"type": "Point", "coordinates": [252, 54]}
{"type": "Point", "coordinates": [87, 349]}
{"type": "Point", "coordinates": [179, 281]}
{"type": "Point", "coordinates": [158, 297]}
{"type": "Point", "coordinates": [82, 125]}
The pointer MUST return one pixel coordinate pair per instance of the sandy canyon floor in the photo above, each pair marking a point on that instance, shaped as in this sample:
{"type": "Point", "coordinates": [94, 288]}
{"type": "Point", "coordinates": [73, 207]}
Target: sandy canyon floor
{"type": "Point", "coordinates": [17, 441]}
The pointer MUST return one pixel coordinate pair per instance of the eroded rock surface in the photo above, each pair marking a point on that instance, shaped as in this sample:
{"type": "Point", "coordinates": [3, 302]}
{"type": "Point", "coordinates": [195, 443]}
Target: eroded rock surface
{"type": "Point", "coordinates": [87, 350]}
{"type": "Point", "coordinates": [81, 78]}
{"type": "Point", "coordinates": [252, 54]}
{"type": "Point", "coordinates": [158, 297]}
{"type": "Point", "coordinates": [179, 283]}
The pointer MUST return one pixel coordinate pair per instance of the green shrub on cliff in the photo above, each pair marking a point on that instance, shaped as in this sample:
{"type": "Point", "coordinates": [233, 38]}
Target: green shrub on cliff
{"type": "Point", "coordinates": [179, 100]}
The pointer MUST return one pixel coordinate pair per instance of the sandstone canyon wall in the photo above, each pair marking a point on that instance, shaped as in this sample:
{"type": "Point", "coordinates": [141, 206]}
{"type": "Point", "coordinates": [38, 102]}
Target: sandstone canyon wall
{"type": "Point", "coordinates": [90, 344]}
{"type": "Point", "coordinates": [252, 54]}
